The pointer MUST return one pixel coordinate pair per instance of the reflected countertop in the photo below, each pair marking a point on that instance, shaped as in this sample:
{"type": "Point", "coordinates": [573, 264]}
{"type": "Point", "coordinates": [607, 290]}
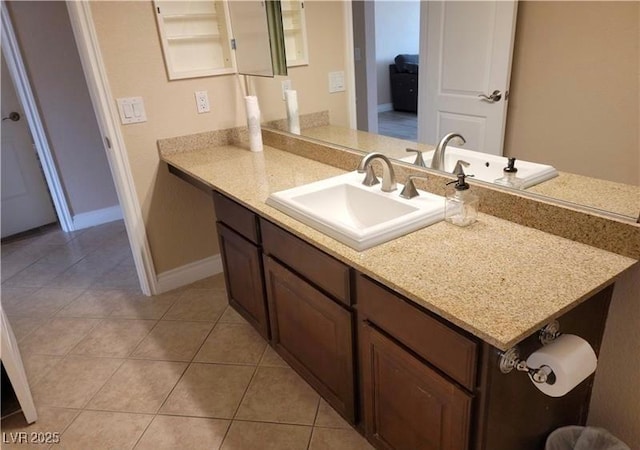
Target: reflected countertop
{"type": "Point", "coordinates": [495, 279]}
{"type": "Point", "coordinates": [618, 198]}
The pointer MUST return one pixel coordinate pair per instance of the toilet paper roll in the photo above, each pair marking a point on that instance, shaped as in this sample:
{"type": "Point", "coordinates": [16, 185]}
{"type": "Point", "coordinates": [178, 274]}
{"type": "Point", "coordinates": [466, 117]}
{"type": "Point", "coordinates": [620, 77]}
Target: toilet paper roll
{"type": "Point", "coordinates": [572, 360]}
{"type": "Point", "coordinates": [291, 98]}
{"type": "Point", "coordinates": [253, 123]}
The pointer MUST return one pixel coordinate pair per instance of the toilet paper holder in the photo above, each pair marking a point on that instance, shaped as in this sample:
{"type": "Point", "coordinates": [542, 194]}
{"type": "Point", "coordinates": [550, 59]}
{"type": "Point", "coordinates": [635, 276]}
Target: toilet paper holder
{"type": "Point", "coordinates": [510, 359]}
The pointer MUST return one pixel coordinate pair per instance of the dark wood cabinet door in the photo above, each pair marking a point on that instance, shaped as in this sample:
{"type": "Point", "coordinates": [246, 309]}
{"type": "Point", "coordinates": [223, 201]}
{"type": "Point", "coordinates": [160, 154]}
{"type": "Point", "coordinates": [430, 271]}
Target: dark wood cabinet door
{"type": "Point", "coordinates": [407, 405]}
{"type": "Point", "coordinates": [313, 334]}
{"type": "Point", "coordinates": [243, 275]}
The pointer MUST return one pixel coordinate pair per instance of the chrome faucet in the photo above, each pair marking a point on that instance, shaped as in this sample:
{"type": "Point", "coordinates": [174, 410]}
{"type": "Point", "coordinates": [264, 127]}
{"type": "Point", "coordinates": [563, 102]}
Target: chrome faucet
{"type": "Point", "coordinates": [388, 176]}
{"type": "Point", "coordinates": [438, 156]}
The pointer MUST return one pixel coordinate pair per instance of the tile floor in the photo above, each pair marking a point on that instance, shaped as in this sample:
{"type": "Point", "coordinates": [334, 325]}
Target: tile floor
{"type": "Point", "coordinates": [112, 369]}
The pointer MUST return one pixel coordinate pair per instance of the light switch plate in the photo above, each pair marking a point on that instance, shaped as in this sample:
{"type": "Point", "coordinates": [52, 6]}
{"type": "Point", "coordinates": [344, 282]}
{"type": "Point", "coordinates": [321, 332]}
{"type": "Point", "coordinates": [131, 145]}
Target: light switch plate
{"type": "Point", "coordinates": [131, 110]}
{"type": "Point", "coordinates": [336, 82]}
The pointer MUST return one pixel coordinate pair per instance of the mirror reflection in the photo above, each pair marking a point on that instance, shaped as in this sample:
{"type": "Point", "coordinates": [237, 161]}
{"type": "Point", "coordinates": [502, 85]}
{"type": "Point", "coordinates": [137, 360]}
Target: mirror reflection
{"type": "Point", "coordinates": [571, 95]}
{"type": "Point", "coordinates": [258, 40]}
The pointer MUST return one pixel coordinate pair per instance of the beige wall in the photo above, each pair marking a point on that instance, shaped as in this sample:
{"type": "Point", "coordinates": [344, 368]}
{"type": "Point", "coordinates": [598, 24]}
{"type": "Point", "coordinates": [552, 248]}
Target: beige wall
{"type": "Point", "coordinates": [575, 88]}
{"type": "Point", "coordinates": [615, 404]}
{"type": "Point", "coordinates": [48, 49]}
{"type": "Point", "coordinates": [179, 219]}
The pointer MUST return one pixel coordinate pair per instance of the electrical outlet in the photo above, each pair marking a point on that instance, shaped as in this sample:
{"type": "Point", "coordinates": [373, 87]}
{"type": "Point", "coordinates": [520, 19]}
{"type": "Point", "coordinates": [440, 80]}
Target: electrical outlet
{"type": "Point", "coordinates": [286, 86]}
{"type": "Point", "coordinates": [202, 102]}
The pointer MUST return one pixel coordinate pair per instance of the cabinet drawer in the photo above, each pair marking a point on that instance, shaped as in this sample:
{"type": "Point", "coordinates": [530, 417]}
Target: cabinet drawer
{"type": "Point", "coordinates": [237, 217]}
{"type": "Point", "coordinates": [327, 273]}
{"type": "Point", "coordinates": [437, 343]}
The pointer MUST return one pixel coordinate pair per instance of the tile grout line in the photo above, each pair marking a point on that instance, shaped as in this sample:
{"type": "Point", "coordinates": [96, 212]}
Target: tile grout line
{"type": "Point", "coordinates": [315, 419]}
{"type": "Point", "coordinates": [255, 370]}
{"type": "Point", "coordinates": [244, 394]}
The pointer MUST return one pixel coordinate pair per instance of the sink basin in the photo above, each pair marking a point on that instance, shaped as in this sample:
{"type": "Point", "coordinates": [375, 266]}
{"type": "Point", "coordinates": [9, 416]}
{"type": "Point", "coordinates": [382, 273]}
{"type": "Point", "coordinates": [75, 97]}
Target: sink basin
{"type": "Point", "coordinates": [488, 167]}
{"type": "Point", "coordinates": [357, 215]}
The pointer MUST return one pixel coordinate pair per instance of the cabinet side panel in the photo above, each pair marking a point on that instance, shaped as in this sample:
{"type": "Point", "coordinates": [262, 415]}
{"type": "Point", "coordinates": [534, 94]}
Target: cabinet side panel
{"type": "Point", "coordinates": [517, 415]}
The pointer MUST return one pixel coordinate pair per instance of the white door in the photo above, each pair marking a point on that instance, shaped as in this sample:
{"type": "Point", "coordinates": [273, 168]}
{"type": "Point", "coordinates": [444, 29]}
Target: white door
{"type": "Point", "coordinates": [466, 53]}
{"type": "Point", "coordinates": [26, 203]}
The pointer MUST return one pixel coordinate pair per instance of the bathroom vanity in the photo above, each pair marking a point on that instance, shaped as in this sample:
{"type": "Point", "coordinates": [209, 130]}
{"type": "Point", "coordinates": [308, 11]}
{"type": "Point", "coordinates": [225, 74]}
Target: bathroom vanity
{"type": "Point", "coordinates": [404, 340]}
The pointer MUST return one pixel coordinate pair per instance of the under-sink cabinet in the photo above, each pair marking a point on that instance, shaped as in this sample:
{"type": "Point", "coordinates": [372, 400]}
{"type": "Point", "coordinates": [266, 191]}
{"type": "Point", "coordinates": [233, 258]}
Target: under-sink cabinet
{"type": "Point", "coordinates": [405, 377]}
{"type": "Point", "coordinates": [308, 319]}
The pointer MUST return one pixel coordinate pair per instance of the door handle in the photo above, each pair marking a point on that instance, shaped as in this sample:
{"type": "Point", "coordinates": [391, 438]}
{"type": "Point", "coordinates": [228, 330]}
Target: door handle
{"type": "Point", "coordinates": [13, 116]}
{"type": "Point", "coordinates": [495, 96]}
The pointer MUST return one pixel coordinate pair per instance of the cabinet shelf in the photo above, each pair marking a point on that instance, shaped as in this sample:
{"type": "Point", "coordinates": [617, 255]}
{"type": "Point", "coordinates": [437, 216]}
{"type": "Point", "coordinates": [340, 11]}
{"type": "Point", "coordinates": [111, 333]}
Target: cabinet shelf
{"type": "Point", "coordinates": [196, 16]}
{"type": "Point", "coordinates": [195, 37]}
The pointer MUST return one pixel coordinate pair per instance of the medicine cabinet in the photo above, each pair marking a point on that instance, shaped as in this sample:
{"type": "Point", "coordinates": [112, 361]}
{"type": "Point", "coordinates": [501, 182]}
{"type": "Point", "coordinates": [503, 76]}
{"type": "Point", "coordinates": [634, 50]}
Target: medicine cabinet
{"type": "Point", "coordinates": [203, 38]}
{"type": "Point", "coordinates": [196, 38]}
{"type": "Point", "coordinates": [295, 32]}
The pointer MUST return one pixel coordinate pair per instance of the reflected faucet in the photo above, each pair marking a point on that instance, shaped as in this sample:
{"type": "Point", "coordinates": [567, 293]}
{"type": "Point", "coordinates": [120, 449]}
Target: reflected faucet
{"type": "Point", "coordinates": [438, 156]}
{"type": "Point", "coordinates": [388, 175]}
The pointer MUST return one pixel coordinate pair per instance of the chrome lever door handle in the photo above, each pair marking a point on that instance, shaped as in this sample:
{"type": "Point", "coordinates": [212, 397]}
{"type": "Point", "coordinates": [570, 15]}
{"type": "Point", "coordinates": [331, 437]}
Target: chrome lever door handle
{"type": "Point", "coordinates": [495, 96]}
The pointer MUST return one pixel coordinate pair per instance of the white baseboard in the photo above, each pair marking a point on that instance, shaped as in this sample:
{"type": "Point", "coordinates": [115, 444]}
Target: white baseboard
{"type": "Point", "coordinates": [385, 107]}
{"type": "Point", "coordinates": [97, 217]}
{"type": "Point", "coordinates": [189, 273]}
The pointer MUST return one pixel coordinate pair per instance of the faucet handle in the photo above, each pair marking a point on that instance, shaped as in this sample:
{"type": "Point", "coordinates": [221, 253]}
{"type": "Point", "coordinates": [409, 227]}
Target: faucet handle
{"type": "Point", "coordinates": [370, 179]}
{"type": "Point", "coordinates": [419, 159]}
{"type": "Point", "coordinates": [458, 169]}
{"type": "Point", "coordinates": [409, 190]}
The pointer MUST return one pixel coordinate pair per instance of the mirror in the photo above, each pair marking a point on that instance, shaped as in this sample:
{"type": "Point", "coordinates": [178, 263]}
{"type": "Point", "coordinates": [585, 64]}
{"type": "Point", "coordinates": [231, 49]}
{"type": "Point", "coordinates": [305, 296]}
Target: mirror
{"type": "Point", "coordinates": [258, 37]}
{"type": "Point", "coordinates": [573, 103]}
{"type": "Point", "coordinates": [295, 32]}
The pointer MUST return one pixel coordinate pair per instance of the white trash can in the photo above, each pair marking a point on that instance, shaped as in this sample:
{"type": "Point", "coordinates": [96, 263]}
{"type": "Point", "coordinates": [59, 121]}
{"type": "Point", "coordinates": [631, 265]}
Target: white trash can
{"type": "Point", "coordinates": [583, 438]}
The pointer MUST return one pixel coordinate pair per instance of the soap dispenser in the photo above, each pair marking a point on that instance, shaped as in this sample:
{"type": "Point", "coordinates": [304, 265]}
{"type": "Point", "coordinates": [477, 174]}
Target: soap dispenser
{"type": "Point", "coordinates": [509, 178]}
{"type": "Point", "coordinates": [461, 205]}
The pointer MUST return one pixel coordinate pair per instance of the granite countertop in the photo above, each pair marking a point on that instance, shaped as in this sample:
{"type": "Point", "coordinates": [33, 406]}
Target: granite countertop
{"type": "Point", "coordinates": [495, 279]}
{"type": "Point", "coordinates": [619, 198]}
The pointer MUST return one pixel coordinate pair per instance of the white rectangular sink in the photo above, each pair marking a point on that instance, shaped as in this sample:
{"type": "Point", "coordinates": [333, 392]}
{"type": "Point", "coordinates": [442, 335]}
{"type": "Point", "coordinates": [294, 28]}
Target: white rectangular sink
{"type": "Point", "coordinates": [486, 167]}
{"type": "Point", "coordinates": [357, 215]}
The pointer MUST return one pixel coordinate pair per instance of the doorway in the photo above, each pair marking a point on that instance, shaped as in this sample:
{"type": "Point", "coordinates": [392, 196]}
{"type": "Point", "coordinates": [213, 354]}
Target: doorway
{"type": "Point", "coordinates": [448, 80]}
{"type": "Point", "coordinates": [26, 203]}
{"type": "Point", "coordinates": [43, 60]}
{"type": "Point", "coordinates": [386, 50]}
